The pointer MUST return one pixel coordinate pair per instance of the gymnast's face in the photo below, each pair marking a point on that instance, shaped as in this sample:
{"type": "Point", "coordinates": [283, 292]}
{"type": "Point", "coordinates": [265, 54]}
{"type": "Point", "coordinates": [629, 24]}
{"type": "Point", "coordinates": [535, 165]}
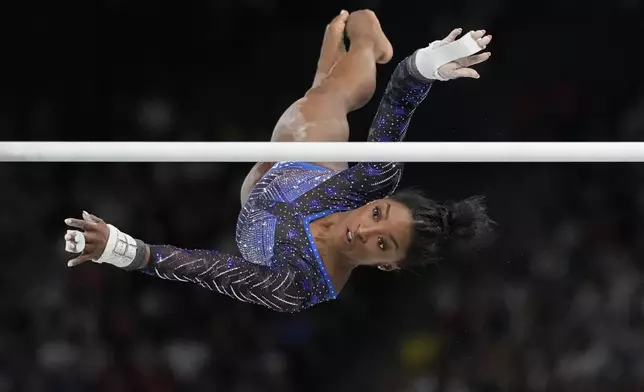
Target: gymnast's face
{"type": "Point", "coordinates": [377, 234]}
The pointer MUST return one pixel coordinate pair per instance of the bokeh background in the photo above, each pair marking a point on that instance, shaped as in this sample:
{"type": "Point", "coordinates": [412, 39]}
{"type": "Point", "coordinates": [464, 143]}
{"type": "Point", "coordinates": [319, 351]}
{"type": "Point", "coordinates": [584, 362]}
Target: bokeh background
{"type": "Point", "coordinates": [556, 304]}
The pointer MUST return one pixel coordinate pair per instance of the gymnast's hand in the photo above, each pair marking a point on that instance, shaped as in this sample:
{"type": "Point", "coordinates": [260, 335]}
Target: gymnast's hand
{"type": "Point", "coordinates": [450, 58]}
{"type": "Point", "coordinates": [90, 243]}
{"type": "Point", "coordinates": [460, 68]}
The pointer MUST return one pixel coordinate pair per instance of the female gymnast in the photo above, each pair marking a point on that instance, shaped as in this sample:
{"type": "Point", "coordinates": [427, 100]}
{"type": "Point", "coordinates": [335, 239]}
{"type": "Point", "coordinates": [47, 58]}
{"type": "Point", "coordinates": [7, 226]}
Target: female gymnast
{"type": "Point", "coordinates": [304, 227]}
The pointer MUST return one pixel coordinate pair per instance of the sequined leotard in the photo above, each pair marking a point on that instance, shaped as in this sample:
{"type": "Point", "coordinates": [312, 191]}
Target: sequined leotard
{"type": "Point", "coordinates": [280, 266]}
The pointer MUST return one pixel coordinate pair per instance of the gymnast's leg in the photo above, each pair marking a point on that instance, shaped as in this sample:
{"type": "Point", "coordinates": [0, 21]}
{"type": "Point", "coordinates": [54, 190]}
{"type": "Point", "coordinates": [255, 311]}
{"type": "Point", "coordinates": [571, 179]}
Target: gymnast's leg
{"type": "Point", "coordinates": [321, 115]}
{"type": "Point", "coordinates": [333, 49]}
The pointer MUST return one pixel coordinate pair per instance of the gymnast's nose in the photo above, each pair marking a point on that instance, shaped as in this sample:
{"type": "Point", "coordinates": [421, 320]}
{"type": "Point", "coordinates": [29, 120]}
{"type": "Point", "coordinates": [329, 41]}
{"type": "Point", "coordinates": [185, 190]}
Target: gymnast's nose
{"type": "Point", "coordinates": [365, 232]}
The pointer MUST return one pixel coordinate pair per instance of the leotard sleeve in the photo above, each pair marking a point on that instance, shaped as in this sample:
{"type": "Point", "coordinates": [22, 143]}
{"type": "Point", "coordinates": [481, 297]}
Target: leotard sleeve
{"type": "Point", "coordinates": [404, 93]}
{"type": "Point", "coordinates": [284, 286]}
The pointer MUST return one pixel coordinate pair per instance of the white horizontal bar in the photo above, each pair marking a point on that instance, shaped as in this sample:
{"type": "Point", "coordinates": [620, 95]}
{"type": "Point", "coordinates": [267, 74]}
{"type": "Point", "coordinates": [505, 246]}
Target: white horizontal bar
{"type": "Point", "coordinates": [321, 152]}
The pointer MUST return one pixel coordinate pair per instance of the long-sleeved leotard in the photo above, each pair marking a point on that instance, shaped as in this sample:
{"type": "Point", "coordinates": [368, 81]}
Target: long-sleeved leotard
{"type": "Point", "coordinates": [280, 266]}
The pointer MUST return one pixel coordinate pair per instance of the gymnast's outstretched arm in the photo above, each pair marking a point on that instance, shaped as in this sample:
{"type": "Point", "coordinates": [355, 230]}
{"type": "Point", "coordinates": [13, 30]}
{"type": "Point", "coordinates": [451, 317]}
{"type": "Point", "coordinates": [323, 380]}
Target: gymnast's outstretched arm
{"type": "Point", "coordinates": [408, 86]}
{"type": "Point", "coordinates": [286, 284]}
{"type": "Point", "coordinates": [404, 93]}
{"type": "Point", "coordinates": [283, 286]}
{"type": "Point", "coordinates": [413, 77]}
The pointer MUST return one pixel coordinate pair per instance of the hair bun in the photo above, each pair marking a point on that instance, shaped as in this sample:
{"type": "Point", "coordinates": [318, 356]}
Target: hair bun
{"type": "Point", "coordinates": [441, 230]}
{"type": "Point", "coordinates": [467, 219]}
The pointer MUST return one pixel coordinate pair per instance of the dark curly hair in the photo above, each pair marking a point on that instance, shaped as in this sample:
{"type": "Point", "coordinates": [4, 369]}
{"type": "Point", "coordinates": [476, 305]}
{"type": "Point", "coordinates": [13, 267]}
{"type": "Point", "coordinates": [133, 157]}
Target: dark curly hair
{"type": "Point", "coordinates": [440, 229]}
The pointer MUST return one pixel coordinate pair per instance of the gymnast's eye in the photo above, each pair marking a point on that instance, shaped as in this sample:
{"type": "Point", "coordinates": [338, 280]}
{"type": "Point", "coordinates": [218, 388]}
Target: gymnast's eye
{"type": "Point", "coordinates": [381, 243]}
{"type": "Point", "coordinates": [375, 213]}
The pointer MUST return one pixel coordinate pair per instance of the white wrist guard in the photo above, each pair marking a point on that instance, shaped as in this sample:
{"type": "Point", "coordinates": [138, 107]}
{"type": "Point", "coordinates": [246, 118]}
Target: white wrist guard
{"type": "Point", "coordinates": [431, 58]}
{"type": "Point", "coordinates": [120, 250]}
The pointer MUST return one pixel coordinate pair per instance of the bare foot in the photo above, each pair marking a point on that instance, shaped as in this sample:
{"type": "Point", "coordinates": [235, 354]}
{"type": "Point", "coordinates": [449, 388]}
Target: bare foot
{"type": "Point", "coordinates": [333, 49]}
{"type": "Point", "coordinates": [364, 25]}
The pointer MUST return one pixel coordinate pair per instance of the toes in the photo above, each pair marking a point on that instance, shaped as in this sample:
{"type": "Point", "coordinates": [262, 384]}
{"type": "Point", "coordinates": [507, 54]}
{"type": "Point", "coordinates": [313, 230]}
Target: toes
{"type": "Point", "coordinates": [339, 21]}
{"type": "Point", "coordinates": [342, 18]}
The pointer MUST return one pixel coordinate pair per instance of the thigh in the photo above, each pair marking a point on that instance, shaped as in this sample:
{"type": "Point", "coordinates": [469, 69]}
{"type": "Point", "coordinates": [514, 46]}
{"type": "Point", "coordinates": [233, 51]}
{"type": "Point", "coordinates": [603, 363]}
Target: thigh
{"type": "Point", "coordinates": [318, 117]}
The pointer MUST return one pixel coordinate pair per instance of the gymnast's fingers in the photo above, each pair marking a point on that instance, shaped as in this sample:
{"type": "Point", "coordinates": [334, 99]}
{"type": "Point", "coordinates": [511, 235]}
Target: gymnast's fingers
{"type": "Point", "coordinates": [78, 260]}
{"type": "Point", "coordinates": [475, 59]}
{"type": "Point", "coordinates": [483, 42]}
{"type": "Point", "coordinates": [74, 241]}
{"type": "Point", "coordinates": [466, 73]}
{"type": "Point", "coordinates": [71, 247]}
{"type": "Point", "coordinates": [477, 34]}
{"type": "Point", "coordinates": [70, 236]}
{"type": "Point", "coordinates": [91, 218]}
{"type": "Point", "coordinates": [452, 36]}
{"type": "Point", "coordinates": [80, 224]}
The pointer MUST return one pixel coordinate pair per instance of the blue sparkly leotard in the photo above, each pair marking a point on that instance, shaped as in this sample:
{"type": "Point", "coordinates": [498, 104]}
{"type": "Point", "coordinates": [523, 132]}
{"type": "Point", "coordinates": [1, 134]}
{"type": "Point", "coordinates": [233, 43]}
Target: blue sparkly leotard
{"type": "Point", "coordinates": [280, 266]}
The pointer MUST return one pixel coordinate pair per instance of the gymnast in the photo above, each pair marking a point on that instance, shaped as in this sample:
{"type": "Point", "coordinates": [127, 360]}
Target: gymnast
{"type": "Point", "coordinates": [304, 227]}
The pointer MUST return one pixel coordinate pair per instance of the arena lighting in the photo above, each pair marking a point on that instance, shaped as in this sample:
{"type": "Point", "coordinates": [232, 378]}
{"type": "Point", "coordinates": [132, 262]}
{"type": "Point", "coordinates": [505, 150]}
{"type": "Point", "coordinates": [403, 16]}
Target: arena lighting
{"type": "Point", "coordinates": [321, 152]}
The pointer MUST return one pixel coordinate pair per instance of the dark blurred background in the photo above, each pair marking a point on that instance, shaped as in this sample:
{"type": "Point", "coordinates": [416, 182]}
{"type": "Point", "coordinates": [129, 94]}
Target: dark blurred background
{"type": "Point", "coordinates": [556, 304]}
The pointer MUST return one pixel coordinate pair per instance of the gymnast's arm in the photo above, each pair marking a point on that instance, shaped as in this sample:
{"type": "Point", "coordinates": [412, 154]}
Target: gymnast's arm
{"type": "Point", "coordinates": [285, 284]}
{"type": "Point", "coordinates": [404, 93]}
{"type": "Point", "coordinates": [409, 85]}
{"type": "Point", "coordinates": [280, 286]}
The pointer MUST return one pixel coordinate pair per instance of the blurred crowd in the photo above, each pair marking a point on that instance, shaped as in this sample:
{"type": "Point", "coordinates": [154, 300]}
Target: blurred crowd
{"type": "Point", "coordinates": [555, 304]}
